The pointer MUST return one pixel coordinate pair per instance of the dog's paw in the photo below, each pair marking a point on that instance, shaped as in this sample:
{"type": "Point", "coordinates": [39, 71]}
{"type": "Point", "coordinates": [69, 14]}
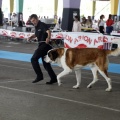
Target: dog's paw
{"type": "Point", "coordinates": [75, 86]}
{"type": "Point", "coordinates": [108, 90]}
{"type": "Point", "coordinates": [59, 84]}
{"type": "Point", "coordinates": [89, 86]}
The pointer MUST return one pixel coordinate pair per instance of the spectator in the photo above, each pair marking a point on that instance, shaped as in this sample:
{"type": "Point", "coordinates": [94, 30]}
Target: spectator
{"type": "Point", "coordinates": [29, 22]}
{"type": "Point", "coordinates": [1, 17]}
{"type": "Point", "coordinates": [109, 24]}
{"type": "Point", "coordinates": [76, 25]}
{"type": "Point", "coordinates": [14, 20]}
{"type": "Point", "coordinates": [58, 25]}
{"type": "Point", "coordinates": [101, 24]}
{"type": "Point", "coordinates": [21, 23]}
{"type": "Point", "coordinates": [59, 21]}
{"type": "Point", "coordinates": [89, 22]}
{"type": "Point", "coordinates": [28, 28]}
{"type": "Point", "coordinates": [39, 17]}
{"type": "Point", "coordinates": [44, 17]}
{"type": "Point", "coordinates": [4, 20]}
{"type": "Point", "coordinates": [84, 20]}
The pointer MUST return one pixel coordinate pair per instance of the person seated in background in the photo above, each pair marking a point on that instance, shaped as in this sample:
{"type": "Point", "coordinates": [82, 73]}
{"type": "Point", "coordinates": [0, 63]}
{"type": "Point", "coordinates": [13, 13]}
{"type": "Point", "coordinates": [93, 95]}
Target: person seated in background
{"type": "Point", "coordinates": [14, 20]}
{"type": "Point", "coordinates": [95, 25]}
{"type": "Point", "coordinates": [76, 25]}
{"type": "Point", "coordinates": [109, 24]}
{"type": "Point", "coordinates": [44, 17]}
{"type": "Point", "coordinates": [58, 25]}
{"type": "Point", "coordinates": [89, 22]}
{"type": "Point", "coordinates": [84, 20]}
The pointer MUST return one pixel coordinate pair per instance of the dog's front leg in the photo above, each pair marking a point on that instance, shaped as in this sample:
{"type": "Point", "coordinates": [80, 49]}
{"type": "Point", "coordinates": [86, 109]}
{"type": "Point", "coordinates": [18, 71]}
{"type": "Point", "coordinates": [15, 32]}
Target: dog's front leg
{"type": "Point", "coordinates": [78, 78]}
{"type": "Point", "coordinates": [62, 74]}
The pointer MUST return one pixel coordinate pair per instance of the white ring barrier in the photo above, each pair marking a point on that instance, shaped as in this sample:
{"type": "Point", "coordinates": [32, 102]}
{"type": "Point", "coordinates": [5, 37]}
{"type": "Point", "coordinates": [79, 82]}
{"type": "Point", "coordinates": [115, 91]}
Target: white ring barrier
{"type": "Point", "coordinates": [71, 39]}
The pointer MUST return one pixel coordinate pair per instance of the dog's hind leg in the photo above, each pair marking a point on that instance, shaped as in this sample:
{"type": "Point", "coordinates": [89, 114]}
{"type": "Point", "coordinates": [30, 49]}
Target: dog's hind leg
{"type": "Point", "coordinates": [104, 74]}
{"type": "Point", "coordinates": [62, 74]}
{"type": "Point", "coordinates": [78, 78]}
{"type": "Point", "coordinates": [95, 76]}
{"type": "Point", "coordinates": [102, 65]}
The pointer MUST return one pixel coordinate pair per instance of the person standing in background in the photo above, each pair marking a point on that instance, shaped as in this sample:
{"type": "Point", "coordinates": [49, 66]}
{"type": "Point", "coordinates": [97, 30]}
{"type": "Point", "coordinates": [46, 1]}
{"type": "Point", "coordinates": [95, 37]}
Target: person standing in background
{"type": "Point", "coordinates": [101, 23]}
{"type": "Point", "coordinates": [76, 25]}
{"type": "Point", "coordinates": [83, 23]}
{"type": "Point", "coordinates": [1, 17]}
{"type": "Point", "coordinates": [109, 24]}
{"type": "Point", "coordinates": [14, 20]}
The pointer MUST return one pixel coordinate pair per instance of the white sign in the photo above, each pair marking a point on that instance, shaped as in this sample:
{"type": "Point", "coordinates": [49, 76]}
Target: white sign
{"type": "Point", "coordinates": [71, 39]}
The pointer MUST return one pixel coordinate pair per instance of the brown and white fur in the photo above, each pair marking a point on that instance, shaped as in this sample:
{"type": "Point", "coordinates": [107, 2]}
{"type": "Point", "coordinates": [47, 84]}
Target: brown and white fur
{"type": "Point", "coordinates": [75, 59]}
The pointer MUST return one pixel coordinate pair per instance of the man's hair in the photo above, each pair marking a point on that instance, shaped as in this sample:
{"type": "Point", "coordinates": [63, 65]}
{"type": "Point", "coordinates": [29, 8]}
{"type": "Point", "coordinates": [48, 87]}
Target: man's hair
{"type": "Point", "coordinates": [33, 16]}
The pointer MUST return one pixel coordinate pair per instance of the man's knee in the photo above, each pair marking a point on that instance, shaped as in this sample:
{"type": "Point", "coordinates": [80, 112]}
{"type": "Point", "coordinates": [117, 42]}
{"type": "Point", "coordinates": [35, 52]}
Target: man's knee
{"type": "Point", "coordinates": [33, 59]}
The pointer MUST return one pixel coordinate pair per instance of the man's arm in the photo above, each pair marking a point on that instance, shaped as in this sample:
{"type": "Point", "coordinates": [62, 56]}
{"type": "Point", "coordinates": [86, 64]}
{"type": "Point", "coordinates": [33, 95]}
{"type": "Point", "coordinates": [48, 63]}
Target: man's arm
{"type": "Point", "coordinates": [49, 36]}
{"type": "Point", "coordinates": [31, 37]}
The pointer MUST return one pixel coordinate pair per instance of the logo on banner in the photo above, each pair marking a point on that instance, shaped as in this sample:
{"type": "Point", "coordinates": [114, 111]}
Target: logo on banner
{"type": "Point", "coordinates": [13, 34]}
{"type": "Point", "coordinates": [81, 46]}
{"type": "Point", "coordinates": [86, 39]}
{"type": "Point", "coordinates": [4, 33]}
{"type": "Point", "coordinates": [105, 39]}
{"type": "Point", "coordinates": [100, 47]}
{"type": "Point", "coordinates": [21, 35]}
{"type": "Point", "coordinates": [98, 40]}
{"type": "Point", "coordinates": [68, 38]}
{"type": "Point", "coordinates": [59, 35]}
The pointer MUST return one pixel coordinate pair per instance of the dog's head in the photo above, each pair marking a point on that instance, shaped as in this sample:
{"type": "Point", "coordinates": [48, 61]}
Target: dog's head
{"type": "Point", "coordinates": [53, 55]}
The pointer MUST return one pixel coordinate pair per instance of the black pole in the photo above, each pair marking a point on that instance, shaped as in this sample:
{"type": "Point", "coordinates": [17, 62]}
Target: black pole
{"type": "Point", "coordinates": [1, 17]}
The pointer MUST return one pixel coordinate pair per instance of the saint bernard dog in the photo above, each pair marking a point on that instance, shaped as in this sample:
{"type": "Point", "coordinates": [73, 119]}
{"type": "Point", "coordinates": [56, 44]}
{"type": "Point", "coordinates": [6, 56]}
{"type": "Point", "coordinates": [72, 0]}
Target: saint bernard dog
{"type": "Point", "coordinates": [73, 59]}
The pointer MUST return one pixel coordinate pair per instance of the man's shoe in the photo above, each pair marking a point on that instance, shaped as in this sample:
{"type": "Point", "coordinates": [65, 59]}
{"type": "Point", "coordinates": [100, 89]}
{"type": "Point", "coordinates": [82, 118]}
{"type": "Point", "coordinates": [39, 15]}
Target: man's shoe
{"type": "Point", "coordinates": [37, 80]}
{"type": "Point", "coordinates": [51, 82]}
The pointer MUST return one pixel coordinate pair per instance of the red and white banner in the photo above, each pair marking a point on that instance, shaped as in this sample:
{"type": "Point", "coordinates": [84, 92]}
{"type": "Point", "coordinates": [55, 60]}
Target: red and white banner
{"type": "Point", "coordinates": [85, 40]}
{"type": "Point", "coordinates": [15, 34]}
{"type": "Point", "coordinates": [58, 35]}
{"type": "Point", "coordinates": [71, 39]}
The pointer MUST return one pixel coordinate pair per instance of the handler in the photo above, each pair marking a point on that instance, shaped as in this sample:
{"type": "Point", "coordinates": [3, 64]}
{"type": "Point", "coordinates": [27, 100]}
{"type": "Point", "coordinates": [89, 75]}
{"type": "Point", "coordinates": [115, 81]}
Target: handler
{"type": "Point", "coordinates": [43, 35]}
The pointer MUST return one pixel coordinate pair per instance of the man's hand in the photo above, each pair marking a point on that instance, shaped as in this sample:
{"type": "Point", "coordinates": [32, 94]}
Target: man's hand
{"type": "Point", "coordinates": [47, 40]}
{"type": "Point", "coordinates": [48, 37]}
{"type": "Point", "coordinates": [28, 39]}
{"type": "Point", "coordinates": [31, 37]}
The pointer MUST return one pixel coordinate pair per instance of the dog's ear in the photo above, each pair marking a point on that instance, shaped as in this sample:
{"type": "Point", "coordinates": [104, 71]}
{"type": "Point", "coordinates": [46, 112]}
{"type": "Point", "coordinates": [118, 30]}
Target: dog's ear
{"type": "Point", "coordinates": [53, 54]}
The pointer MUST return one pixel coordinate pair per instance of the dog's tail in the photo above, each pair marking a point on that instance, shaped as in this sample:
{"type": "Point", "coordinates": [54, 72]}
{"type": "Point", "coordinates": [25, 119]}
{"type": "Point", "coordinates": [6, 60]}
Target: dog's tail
{"type": "Point", "coordinates": [115, 51]}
